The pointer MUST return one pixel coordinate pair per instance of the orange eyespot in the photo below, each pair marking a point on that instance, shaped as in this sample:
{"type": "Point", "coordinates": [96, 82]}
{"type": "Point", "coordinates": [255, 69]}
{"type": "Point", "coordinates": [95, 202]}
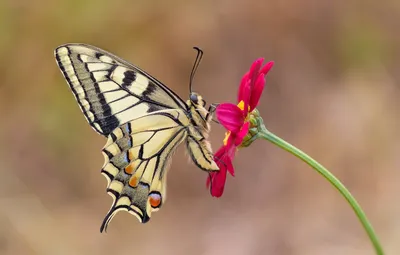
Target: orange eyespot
{"type": "Point", "coordinates": [155, 200]}
{"type": "Point", "coordinates": [130, 168]}
{"type": "Point", "coordinates": [133, 181]}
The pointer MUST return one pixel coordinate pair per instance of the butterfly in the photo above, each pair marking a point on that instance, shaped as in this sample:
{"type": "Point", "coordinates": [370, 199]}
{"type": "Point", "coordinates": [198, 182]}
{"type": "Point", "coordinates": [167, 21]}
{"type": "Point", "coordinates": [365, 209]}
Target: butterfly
{"type": "Point", "coordinates": [144, 122]}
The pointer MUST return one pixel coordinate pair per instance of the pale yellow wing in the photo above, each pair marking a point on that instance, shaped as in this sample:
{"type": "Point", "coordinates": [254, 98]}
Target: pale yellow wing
{"type": "Point", "coordinates": [109, 90]}
{"type": "Point", "coordinates": [137, 155]}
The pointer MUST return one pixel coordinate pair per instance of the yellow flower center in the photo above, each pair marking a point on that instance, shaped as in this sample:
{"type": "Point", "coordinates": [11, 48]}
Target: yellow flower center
{"type": "Point", "coordinates": [227, 134]}
{"type": "Point", "coordinates": [241, 105]}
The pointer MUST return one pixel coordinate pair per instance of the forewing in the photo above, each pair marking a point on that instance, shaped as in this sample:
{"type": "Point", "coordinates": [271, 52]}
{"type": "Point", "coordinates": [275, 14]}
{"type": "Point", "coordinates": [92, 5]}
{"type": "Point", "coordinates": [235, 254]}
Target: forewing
{"type": "Point", "coordinates": [110, 91]}
{"type": "Point", "coordinates": [137, 155]}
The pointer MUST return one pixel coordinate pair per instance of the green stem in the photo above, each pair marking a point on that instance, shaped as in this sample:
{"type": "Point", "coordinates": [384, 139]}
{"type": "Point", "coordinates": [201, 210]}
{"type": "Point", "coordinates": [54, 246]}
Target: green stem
{"type": "Point", "coordinates": [265, 134]}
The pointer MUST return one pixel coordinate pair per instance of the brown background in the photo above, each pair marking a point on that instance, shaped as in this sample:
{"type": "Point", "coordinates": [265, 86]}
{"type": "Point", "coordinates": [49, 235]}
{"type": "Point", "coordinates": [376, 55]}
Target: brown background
{"type": "Point", "coordinates": [333, 92]}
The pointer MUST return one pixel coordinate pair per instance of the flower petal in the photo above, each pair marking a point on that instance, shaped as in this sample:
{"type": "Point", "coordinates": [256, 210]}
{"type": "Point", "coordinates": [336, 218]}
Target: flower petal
{"type": "Point", "coordinates": [242, 93]}
{"type": "Point", "coordinates": [242, 87]}
{"type": "Point", "coordinates": [247, 96]}
{"type": "Point", "coordinates": [242, 133]}
{"type": "Point", "coordinates": [216, 180]}
{"type": "Point", "coordinates": [259, 85]}
{"type": "Point", "coordinates": [230, 116]}
{"type": "Point", "coordinates": [267, 67]}
{"type": "Point", "coordinates": [229, 166]}
{"type": "Point", "coordinates": [254, 70]}
{"type": "Point", "coordinates": [229, 155]}
{"type": "Point", "coordinates": [256, 92]}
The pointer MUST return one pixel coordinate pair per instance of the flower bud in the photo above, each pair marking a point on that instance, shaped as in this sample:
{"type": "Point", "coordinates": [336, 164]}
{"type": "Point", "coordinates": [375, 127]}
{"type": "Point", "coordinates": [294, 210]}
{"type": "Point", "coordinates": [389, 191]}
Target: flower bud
{"type": "Point", "coordinates": [255, 123]}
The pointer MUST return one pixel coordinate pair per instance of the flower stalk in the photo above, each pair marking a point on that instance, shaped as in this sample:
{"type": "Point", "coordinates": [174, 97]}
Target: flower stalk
{"type": "Point", "coordinates": [264, 133]}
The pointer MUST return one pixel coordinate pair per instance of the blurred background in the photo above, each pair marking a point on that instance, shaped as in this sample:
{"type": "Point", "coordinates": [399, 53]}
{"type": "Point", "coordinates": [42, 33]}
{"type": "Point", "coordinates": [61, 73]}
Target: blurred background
{"type": "Point", "coordinates": [333, 92]}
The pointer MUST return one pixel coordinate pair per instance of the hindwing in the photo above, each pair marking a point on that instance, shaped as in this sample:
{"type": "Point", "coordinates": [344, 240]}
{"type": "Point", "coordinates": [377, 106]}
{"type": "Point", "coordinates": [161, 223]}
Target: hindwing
{"type": "Point", "coordinates": [137, 156]}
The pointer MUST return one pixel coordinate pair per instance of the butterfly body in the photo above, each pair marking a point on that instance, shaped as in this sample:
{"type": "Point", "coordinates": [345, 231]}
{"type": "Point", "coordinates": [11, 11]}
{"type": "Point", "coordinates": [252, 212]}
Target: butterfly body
{"type": "Point", "coordinates": [144, 122]}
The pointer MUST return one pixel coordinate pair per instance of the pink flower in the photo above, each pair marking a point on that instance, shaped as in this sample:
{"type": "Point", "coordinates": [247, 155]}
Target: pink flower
{"type": "Point", "coordinates": [235, 119]}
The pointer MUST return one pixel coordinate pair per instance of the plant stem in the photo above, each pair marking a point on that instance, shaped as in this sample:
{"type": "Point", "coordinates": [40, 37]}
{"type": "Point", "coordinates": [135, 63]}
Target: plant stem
{"type": "Point", "coordinates": [265, 134]}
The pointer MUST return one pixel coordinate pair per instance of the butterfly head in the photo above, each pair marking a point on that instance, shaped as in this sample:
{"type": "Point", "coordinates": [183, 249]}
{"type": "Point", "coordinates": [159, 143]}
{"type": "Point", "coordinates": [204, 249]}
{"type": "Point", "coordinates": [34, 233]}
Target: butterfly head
{"type": "Point", "coordinates": [196, 100]}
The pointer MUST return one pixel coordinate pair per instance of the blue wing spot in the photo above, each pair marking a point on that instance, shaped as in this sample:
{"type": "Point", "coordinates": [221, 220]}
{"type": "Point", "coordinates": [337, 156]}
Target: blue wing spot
{"type": "Point", "coordinates": [130, 144]}
{"type": "Point", "coordinates": [127, 129]}
{"type": "Point", "coordinates": [126, 159]}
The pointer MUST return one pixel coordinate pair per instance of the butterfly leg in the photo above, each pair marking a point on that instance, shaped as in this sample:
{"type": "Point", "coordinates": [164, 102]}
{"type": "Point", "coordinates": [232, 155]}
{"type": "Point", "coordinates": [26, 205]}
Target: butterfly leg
{"type": "Point", "coordinates": [211, 111]}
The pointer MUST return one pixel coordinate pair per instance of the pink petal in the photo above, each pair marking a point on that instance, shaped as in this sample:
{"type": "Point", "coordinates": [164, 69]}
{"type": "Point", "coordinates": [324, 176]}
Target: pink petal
{"type": "Point", "coordinates": [242, 87]}
{"type": "Point", "coordinates": [230, 142]}
{"type": "Point", "coordinates": [267, 67]}
{"type": "Point", "coordinates": [217, 182]}
{"type": "Point", "coordinates": [220, 153]}
{"type": "Point", "coordinates": [257, 91]}
{"type": "Point", "coordinates": [230, 116]}
{"type": "Point", "coordinates": [230, 155]}
{"type": "Point", "coordinates": [259, 85]}
{"type": "Point", "coordinates": [242, 133]}
{"type": "Point", "coordinates": [246, 98]}
{"type": "Point", "coordinates": [254, 70]}
{"type": "Point", "coordinates": [229, 167]}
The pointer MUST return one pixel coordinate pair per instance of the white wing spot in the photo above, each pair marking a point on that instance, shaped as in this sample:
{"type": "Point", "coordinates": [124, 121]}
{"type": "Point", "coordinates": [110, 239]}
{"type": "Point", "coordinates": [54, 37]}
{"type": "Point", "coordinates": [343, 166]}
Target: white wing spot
{"type": "Point", "coordinates": [67, 65]}
{"type": "Point", "coordinates": [100, 75]}
{"type": "Point", "coordinates": [111, 169]}
{"type": "Point", "coordinates": [98, 67]}
{"type": "Point", "coordinates": [85, 105]}
{"type": "Point", "coordinates": [139, 85]}
{"type": "Point", "coordinates": [132, 113]}
{"type": "Point", "coordinates": [111, 96]}
{"type": "Point", "coordinates": [107, 86]}
{"type": "Point", "coordinates": [118, 74]}
{"type": "Point", "coordinates": [116, 185]}
{"type": "Point", "coordinates": [106, 59]}
{"type": "Point", "coordinates": [62, 51]}
{"type": "Point", "coordinates": [80, 92]}
{"type": "Point", "coordinates": [86, 59]}
{"type": "Point", "coordinates": [90, 115]}
{"type": "Point", "coordinates": [75, 82]}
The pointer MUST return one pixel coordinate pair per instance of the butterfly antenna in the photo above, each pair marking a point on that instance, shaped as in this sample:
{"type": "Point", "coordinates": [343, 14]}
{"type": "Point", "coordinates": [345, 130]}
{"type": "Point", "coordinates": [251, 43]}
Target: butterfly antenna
{"type": "Point", "coordinates": [195, 66]}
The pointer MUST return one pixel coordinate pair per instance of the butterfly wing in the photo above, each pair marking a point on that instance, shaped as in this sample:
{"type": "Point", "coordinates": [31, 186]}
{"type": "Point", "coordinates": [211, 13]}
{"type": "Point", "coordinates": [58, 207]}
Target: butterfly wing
{"type": "Point", "coordinates": [144, 121]}
{"type": "Point", "coordinates": [137, 156]}
{"type": "Point", "coordinates": [110, 91]}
